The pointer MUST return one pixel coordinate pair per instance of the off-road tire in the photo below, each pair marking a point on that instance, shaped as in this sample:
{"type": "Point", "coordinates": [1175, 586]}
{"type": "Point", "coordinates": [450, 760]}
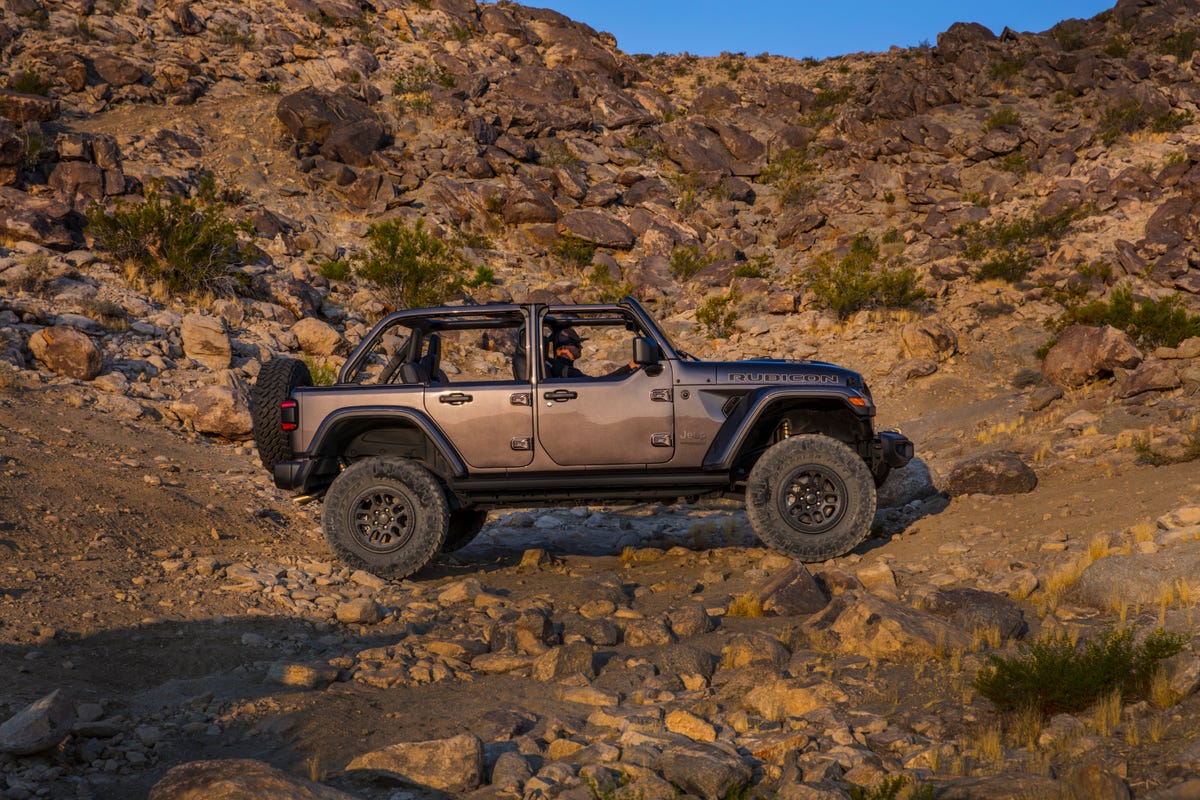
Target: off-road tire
{"type": "Point", "coordinates": [385, 515]}
{"type": "Point", "coordinates": [811, 497]}
{"type": "Point", "coordinates": [276, 380]}
{"type": "Point", "coordinates": [465, 524]}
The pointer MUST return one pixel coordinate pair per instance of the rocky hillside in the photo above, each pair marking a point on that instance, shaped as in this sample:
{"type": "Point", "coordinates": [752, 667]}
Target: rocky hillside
{"type": "Point", "coordinates": [1001, 231]}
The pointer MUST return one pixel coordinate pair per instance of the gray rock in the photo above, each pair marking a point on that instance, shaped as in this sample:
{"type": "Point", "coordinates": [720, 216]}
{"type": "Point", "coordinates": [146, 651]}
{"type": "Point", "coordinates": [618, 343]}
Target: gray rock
{"type": "Point", "coordinates": [448, 765]}
{"type": "Point", "coordinates": [511, 771]}
{"type": "Point", "coordinates": [871, 626]}
{"type": "Point", "coordinates": [929, 339]}
{"type": "Point", "coordinates": [705, 770]}
{"type": "Point", "coordinates": [39, 726]}
{"type": "Point", "coordinates": [685, 659]}
{"type": "Point", "coordinates": [1010, 786]}
{"type": "Point", "coordinates": [911, 482]}
{"type": "Point", "coordinates": [1092, 781]}
{"type": "Point", "coordinates": [597, 227]}
{"type": "Point", "coordinates": [793, 592]}
{"type": "Point", "coordinates": [690, 620]}
{"type": "Point", "coordinates": [237, 779]}
{"type": "Point", "coordinates": [991, 473]}
{"type": "Point", "coordinates": [975, 609]}
{"type": "Point", "coordinates": [1149, 376]}
{"type": "Point", "coordinates": [576, 658]}
{"type": "Point", "coordinates": [1136, 578]}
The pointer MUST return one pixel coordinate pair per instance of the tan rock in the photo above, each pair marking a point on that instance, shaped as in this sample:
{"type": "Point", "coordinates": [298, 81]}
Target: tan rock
{"type": "Point", "coordinates": [317, 338]}
{"type": "Point", "coordinates": [448, 765]}
{"type": "Point", "coordinates": [237, 779]}
{"type": "Point", "coordinates": [929, 338]}
{"type": "Point", "coordinates": [691, 726]}
{"type": "Point", "coordinates": [220, 410]}
{"type": "Point", "coordinates": [360, 611]}
{"type": "Point", "coordinates": [66, 351]}
{"type": "Point", "coordinates": [870, 626]}
{"type": "Point", "coordinates": [206, 342]}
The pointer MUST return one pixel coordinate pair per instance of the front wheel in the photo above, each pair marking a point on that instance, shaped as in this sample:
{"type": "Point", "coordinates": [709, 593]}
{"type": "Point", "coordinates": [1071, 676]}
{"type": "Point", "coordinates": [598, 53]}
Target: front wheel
{"type": "Point", "coordinates": [385, 515]}
{"type": "Point", "coordinates": [811, 497]}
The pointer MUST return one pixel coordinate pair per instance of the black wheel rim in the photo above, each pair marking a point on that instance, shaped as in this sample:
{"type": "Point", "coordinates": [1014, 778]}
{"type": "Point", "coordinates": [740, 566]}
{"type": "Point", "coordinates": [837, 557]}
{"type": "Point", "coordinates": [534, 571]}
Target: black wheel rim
{"type": "Point", "coordinates": [813, 499]}
{"type": "Point", "coordinates": [382, 519]}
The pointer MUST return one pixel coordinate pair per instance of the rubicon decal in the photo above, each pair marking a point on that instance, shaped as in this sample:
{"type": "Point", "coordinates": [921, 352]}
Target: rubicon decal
{"type": "Point", "coordinates": [783, 377]}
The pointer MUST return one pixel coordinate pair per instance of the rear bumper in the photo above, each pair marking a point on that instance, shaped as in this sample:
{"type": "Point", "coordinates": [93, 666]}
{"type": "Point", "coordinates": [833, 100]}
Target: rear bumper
{"type": "Point", "coordinates": [293, 475]}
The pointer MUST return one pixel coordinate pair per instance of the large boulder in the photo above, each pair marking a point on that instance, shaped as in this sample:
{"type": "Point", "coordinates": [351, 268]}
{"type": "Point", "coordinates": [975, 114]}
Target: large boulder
{"type": "Point", "coordinates": [316, 337]}
{"type": "Point", "coordinates": [237, 779]}
{"type": "Point", "coordinates": [594, 226]}
{"type": "Point", "coordinates": [991, 473]}
{"type": "Point", "coordinates": [117, 71]}
{"type": "Point", "coordinates": [206, 342]}
{"type": "Point", "coordinates": [871, 626]}
{"type": "Point", "coordinates": [39, 726]}
{"type": "Point", "coordinates": [528, 202]}
{"type": "Point", "coordinates": [66, 351]}
{"type": "Point", "coordinates": [44, 220]}
{"type": "Point", "coordinates": [911, 482]}
{"type": "Point", "coordinates": [1150, 376]}
{"type": "Point", "coordinates": [452, 765]}
{"type": "Point", "coordinates": [793, 592]}
{"type": "Point", "coordinates": [310, 115]}
{"type": "Point", "coordinates": [974, 609]}
{"type": "Point", "coordinates": [709, 771]}
{"type": "Point", "coordinates": [220, 410]}
{"type": "Point", "coordinates": [1139, 578]}
{"type": "Point", "coordinates": [929, 338]}
{"type": "Point", "coordinates": [1083, 352]}
{"type": "Point", "coordinates": [20, 107]}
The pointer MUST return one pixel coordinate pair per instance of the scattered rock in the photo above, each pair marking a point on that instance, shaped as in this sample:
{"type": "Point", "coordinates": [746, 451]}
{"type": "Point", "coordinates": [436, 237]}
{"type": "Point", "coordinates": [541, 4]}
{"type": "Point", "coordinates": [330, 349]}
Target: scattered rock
{"type": "Point", "coordinates": [991, 473]}
{"type": "Point", "coordinates": [237, 779]}
{"type": "Point", "coordinates": [39, 726]}
{"type": "Point", "coordinates": [206, 341]}
{"type": "Point", "coordinates": [66, 351]}
{"type": "Point", "coordinates": [448, 765]}
{"type": "Point", "coordinates": [1083, 352]}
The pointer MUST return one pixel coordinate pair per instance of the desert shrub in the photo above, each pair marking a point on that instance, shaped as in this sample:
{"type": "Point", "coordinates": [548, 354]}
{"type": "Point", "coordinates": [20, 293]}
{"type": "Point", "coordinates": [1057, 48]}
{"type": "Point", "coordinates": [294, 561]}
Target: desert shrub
{"type": "Point", "coordinates": [558, 154]}
{"type": "Point", "coordinates": [687, 260]}
{"type": "Point", "coordinates": [1125, 116]}
{"type": "Point", "coordinates": [791, 173]}
{"type": "Point", "coordinates": [716, 315]}
{"type": "Point", "coordinates": [606, 288]}
{"type": "Point", "coordinates": [758, 267]}
{"type": "Point", "coordinates": [335, 270]}
{"type": "Point", "coordinates": [484, 276]}
{"type": "Point", "coordinates": [1171, 121]}
{"type": "Point", "coordinates": [1118, 46]}
{"type": "Point", "coordinates": [1015, 162]}
{"type": "Point", "coordinates": [28, 81]}
{"type": "Point", "coordinates": [574, 251]}
{"type": "Point", "coordinates": [1152, 323]}
{"type": "Point", "coordinates": [411, 87]}
{"type": "Point", "coordinates": [1003, 248]}
{"type": "Point", "coordinates": [322, 374]}
{"type": "Point", "coordinates": [1054, 675]}
{"type": "Point", "coordinates": [1001, 118]}
{"type": "Point", "coordinates": [1006, 69]}
{"type": "Point", "coordinates": [410, 266]}
{"type": "Point", "coordinates": [892, 788]}
{"type": "Point", "coordinates": [188, 244]}
{"type": "Point", "coordinates": [230, 35]}
{"type": "Point", "coordinates": [1181, 45]}
{"type": "Point", "coordinates": [853, 283]}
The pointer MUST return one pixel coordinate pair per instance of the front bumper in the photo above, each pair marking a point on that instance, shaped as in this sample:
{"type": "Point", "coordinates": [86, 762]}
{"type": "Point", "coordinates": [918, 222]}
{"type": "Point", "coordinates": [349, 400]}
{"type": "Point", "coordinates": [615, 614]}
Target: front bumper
{"type": "Point", "coordinates": [892, 448]}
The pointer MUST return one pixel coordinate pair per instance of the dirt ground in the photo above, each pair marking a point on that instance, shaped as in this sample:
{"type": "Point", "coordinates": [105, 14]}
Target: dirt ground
{"type": "Point", "coordinates": [95, 512]}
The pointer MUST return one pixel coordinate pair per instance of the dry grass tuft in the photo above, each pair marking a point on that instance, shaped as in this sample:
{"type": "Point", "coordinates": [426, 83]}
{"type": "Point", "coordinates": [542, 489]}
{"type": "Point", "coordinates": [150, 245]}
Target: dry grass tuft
{"type": "Point", "coordinates": [745, 605]}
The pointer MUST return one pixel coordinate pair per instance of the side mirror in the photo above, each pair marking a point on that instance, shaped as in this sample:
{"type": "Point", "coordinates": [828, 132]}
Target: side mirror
{"type": "Point", "coordinates": [646, 351]}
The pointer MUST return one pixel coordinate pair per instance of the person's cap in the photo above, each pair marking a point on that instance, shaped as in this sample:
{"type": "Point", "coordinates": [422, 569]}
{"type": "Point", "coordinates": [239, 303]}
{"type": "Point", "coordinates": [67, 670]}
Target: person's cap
{"type": "Point", "coordinates": [568, 336]}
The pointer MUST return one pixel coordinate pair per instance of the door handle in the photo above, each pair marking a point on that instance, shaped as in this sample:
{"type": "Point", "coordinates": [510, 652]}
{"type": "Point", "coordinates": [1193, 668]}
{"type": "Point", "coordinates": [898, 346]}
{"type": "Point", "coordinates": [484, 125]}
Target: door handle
{"type": "Point", "coordinates": [455, 398]}
{"type": "Point", "coordinates": [560, 396]}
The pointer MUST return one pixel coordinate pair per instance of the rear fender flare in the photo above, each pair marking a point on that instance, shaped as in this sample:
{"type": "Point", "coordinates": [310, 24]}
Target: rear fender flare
{"type": "Point", "coordinates": [348, 422]}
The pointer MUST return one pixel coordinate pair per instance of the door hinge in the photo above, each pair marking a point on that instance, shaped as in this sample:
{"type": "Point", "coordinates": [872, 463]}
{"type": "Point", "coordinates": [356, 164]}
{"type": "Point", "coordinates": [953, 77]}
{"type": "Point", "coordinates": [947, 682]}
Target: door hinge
{"type": "Point", "coordinates": [662, 440]}
{"type": "Point", "coordinates": [660, 395]}
{"type": "Point", "coordinates": [521, 443]}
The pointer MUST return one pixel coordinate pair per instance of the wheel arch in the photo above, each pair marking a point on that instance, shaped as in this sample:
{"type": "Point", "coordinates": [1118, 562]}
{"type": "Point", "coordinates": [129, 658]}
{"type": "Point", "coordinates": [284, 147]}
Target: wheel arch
{"type": "Point", "coordinates": [373, 431]}
{"type": "Point", "coordinates": [754, 425]}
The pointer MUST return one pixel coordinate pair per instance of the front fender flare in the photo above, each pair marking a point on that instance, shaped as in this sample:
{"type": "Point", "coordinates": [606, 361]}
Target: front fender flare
{"type": "Point", "coordinates": [732, 435]}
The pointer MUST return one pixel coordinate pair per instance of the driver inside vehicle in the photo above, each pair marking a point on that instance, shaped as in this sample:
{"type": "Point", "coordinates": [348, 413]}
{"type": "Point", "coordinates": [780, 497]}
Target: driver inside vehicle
{"type": "Point", "coordinates": [566, 346]}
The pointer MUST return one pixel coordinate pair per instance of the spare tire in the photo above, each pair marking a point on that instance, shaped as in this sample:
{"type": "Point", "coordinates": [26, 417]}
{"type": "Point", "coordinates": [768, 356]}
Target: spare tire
{"type": "Point", "coordinates": [276, 380]}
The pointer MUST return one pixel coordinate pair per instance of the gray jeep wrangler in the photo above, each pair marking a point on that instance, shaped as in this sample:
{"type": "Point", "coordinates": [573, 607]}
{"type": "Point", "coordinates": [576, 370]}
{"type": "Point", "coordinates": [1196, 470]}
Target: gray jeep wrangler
{"type": "Point", "coordinates": [441, 414]}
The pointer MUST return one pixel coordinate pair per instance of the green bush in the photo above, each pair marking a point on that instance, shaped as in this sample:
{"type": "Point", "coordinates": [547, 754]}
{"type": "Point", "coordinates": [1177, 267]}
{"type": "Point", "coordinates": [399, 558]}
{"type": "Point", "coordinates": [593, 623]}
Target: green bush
{"type": "Point", "coordinates": [607, 288]}
{"type": "Point", "coordinates": [716, 315]}
{"type": "Point", "coordinates": [409, 265]}
{"type": "Point", "coordinates": [1171, 121]}
{"type": "Point", "coordinates": [334, 270]}
{"type": "Point", "coordinates": [891, 788]}
{"type": "Point", "coordinates": [27, 81]}
{"type": "Point", "coordinates": [484, 276]}
{"type": "Point", "coordinates": [759, 267]}
{"type": "Point", "coordinates": [1126, 116]}
{"type": "Point", "coordinates": [1001, 118]}
{"type": "Point", "coordinates": [1181, 45]}
{"type": "Point", "coordinates": [186, 243]}
{"type": "Point", "coordinates": [852, 283]}
{"type": "Point", "coordinates": [1003, 248]}
{"type": "Point", "coordinates": [574, 251]}
{"type": "Point", "coordinates": [1054, 676]}
{"type": "Point", "coordinates": [791, 173]}
{"type": "Point", "coordinates": [686, 261]}
{"type": "Point", "coordinates": [1152, 323]}
{"type": "Point", "coordinates": [322, 374]}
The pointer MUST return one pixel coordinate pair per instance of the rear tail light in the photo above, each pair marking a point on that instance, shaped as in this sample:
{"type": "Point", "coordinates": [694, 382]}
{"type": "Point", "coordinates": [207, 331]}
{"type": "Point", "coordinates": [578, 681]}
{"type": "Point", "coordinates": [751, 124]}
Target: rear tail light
{"type": "Point", "coordinates": [289, 415]}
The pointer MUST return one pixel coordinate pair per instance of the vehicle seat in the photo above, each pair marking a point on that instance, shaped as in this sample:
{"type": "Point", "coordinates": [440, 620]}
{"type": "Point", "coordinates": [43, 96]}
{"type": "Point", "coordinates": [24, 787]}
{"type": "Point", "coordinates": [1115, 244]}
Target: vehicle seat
{"type": "Point", "coordinates": [431, 364]}
{"type": "Point", "coordinates": [407, 353]}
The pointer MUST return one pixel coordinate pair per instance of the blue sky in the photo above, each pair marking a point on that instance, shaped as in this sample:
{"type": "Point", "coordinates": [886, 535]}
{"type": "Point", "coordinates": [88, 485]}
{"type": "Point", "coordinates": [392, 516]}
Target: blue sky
{"type": "Point", "coordinates": [803, 28]}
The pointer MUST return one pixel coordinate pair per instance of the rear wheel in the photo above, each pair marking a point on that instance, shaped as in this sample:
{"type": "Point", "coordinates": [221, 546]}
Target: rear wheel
{"type": "Point", "coordinates": [811, 497]}
{"type": "Point", "coordinates": [465, 524]}
{"type": "Point", "coordinates": [275, 382]}
{"type": "Point", "coordinates": [385, 515]}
